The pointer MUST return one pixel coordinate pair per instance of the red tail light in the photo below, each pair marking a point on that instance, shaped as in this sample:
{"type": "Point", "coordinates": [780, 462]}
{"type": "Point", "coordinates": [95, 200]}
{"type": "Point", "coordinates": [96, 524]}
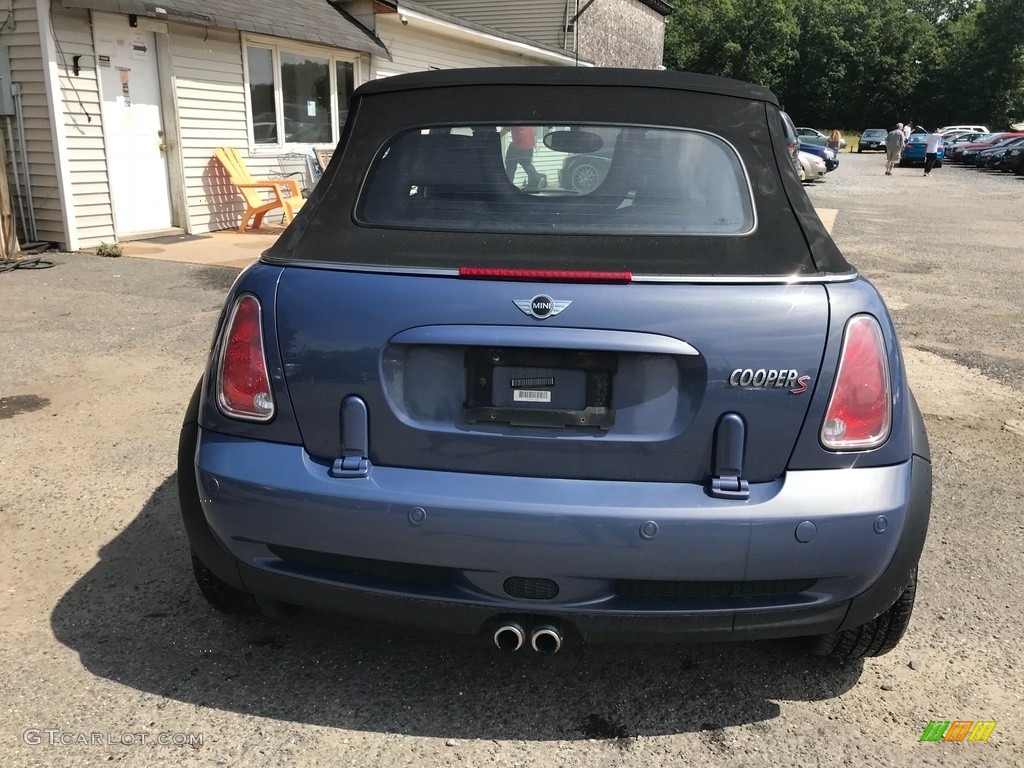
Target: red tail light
{"type": "Point", "coordinates": [859, 413]}
{"type": "Point", "coordinates": [243, 385]}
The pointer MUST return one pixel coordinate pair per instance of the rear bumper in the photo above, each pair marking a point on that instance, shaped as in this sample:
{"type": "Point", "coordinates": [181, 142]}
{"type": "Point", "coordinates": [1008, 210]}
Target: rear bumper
{"type": "Point", "coordinates": [435, 549]}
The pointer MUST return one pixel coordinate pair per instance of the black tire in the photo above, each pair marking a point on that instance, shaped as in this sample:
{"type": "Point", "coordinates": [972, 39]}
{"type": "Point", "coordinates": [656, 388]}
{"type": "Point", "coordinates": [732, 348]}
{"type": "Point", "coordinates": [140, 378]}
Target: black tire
{"type": "Point", "coordinates": [860, 151]}
{"type": "Point", "coordinates": [938, 163]}
{"type": "Point", "coordinates": [904, 164]}
{"type": "Point", "coordinates": [875, 638]}
{"type": "Point", "coordinates": [222, 595]}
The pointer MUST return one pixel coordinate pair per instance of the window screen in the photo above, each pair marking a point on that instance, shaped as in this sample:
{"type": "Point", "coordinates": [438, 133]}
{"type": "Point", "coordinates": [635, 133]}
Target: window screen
{"type": "Point", "coordinates": [569, 179]}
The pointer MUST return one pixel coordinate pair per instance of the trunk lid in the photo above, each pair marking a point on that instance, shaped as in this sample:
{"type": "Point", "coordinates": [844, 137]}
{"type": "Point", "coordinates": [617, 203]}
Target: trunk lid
{"type": "Point", "coordinates": [639, 381]}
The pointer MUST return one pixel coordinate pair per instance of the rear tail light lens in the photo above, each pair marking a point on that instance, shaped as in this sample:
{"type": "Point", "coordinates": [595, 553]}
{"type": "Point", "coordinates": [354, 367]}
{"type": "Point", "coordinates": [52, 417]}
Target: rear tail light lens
{"type": "Point", "coordinates": [859, 413]}
{"type": "Point", "coordinates": [243, 384]}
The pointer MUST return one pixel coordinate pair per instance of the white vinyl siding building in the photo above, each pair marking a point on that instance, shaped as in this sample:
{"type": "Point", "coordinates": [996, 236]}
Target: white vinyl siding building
{"type": "Point", "coordinates": [541, 20]}
{"type": "Point", "coordinates": [83, 129]}
{"type": "Point", "coordinates": [607, 33]}
{"type": "Point", "coordinates": [426, 42]}
{"type": "Point", "coordinates": [21, 36]}
{"type": "Point", "coordinates": [81, 69]}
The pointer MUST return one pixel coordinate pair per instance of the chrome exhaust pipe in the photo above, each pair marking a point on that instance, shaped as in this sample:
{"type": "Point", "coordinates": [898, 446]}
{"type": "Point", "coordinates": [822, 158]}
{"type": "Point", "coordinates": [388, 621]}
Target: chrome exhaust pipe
{"type": "Point", "coordinates": [546, 639]}
{"type": "Point", "coordinates": [509, 637]}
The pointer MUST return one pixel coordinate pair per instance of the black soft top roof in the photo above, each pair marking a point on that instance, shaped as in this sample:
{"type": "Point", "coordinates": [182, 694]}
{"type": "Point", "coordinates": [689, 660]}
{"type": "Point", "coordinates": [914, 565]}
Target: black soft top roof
{"type": "Point", "coordinates": [571, 76]}
{"type": "Point", "coordinates": [789, 239]}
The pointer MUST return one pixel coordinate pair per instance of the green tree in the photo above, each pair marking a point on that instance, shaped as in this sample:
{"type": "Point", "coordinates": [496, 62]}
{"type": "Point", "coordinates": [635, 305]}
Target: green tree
{"type": "Point", "coordinates": [744, 39]}
{"type": "Point", "coordinates": [939, 11]}
{"type": "Point", "coordinates": [854, 63]}
{"type": "Point", "coordinates": [859, 64]}
{"type": "Point", "coordinates": [984, 70]}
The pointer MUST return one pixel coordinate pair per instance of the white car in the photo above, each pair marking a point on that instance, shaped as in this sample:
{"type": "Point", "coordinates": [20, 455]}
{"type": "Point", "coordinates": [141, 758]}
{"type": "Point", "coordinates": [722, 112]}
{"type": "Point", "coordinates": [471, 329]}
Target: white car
{"type": "Point", "coordinates": [976, 128]}
{"type": "Point", "coordinates": [812, 167]}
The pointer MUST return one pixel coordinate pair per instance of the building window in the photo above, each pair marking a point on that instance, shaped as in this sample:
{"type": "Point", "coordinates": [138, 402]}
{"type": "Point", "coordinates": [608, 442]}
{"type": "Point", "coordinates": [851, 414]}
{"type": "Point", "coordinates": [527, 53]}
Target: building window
{"type": "Point", "coordinates": [297, 95]}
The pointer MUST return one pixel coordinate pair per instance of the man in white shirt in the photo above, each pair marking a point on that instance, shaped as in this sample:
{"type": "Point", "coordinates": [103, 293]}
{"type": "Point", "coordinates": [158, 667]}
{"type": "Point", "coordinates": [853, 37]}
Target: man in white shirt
{"type": "Point", "coordinates": [931, 150]}
{"type": "Point", "coordinates": [908, 128]}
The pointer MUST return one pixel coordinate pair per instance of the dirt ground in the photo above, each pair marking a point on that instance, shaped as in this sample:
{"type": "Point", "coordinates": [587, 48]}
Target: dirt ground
{"type": "Point", "coordinates": [108, 649]}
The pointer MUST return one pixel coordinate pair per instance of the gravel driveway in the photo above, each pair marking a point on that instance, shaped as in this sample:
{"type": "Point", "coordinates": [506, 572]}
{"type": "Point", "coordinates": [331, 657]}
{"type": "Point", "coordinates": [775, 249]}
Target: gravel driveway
{"type": "Point", "coordinates": [108, 649]}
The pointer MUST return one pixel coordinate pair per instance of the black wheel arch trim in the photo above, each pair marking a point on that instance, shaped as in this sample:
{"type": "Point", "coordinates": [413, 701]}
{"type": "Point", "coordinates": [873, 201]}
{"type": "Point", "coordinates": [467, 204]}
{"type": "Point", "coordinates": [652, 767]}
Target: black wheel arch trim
{"type": "Point", "coordinates": [918, 434]}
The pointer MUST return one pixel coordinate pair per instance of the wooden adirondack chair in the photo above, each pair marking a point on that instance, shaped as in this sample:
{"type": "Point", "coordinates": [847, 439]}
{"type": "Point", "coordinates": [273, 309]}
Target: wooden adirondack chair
{"type": "Point", "coordinates": [323, 157]}
{"type": "Point", "coordinates": [255, 206]}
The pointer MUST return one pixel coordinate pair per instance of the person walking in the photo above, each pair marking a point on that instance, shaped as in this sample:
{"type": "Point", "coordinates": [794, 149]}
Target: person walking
{"type": "Point", "coordinates": [835, 140]}
{"type": "Point", "coordinates": [520, 152]}
{"type": "Point", "coordinates": [931, 150]}
{"type": "Point", "coordinates": [894, 143]}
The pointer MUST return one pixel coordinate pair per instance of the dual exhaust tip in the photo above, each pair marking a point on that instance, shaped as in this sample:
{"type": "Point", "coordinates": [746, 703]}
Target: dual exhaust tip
{"type": "Point", "coordinates": [511, 636]}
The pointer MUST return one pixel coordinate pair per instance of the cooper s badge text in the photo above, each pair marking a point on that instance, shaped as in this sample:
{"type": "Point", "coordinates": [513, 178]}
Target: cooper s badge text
{"type": "Point", "coordinates": [765, 378]}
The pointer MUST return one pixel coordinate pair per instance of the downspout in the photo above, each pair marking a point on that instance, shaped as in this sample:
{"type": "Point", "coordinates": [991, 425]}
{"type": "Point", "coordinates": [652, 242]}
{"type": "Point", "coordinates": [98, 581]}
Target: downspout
{"type": "Point", "coordinates": [19, 116]}
{"type": "Point", "coordinates": [17, 175]}
{"type": "Point", "coordinates": [576, 27]}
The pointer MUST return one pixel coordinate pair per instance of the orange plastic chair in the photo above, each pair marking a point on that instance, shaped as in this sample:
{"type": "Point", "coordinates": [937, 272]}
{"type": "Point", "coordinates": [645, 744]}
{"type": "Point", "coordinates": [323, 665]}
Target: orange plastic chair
{"type": "Point", "coordinates": [255, 206]}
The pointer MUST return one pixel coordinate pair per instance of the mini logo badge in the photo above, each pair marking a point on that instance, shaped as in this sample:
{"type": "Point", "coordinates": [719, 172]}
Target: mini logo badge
{"type": "Point", "coordinates": [541, 306]}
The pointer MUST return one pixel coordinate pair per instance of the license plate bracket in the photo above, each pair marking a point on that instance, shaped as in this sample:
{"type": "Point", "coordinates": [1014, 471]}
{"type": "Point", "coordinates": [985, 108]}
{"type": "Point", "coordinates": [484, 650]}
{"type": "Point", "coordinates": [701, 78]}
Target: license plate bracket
{"type": "Point", "coordinates": [539, 387]}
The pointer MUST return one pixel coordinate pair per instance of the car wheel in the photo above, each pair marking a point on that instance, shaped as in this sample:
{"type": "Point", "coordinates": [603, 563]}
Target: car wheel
{"type": "Point", "coordinates": [877, 637]}
{"type": "Point", "coordinates": [585, 178]}
{"type": "Point", "coordinates": [938, 163]}
{"type": "Point", "coordinates": [221, 595]}
{"type": "Point", "coordinates": [860, 151]}
{"type": "Point", "coordinates": [904, 164]}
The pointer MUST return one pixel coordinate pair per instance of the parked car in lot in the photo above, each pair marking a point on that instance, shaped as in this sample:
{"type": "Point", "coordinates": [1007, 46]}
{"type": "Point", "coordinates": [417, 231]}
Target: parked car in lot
{"type": "Point", "coordinates": [829, 156]}
{"type": "Point", "coordinates": [812, 167]}
{"type": "Point", "coordinates": [957, 139]}
{"type": "Point", "coordinates": [914, 151]}
{"type": "Point", "coordinates": [1007, 160]}
{"type": "Point", "coordinates": [1013, 161]}
{"type": "Point", "coordinates": [666, 408]}
{"type": "Point", "coordinates": [814, 136]}
{"type": "Point", "coordinates": [872, 138]}
{"type": "Point", "coordinates": [1019, 169]}
{"type": "Point", "coordinates": [951, 136]}
{"type": "Point", "coordinates": [986, 142]}
{"type": "Point", "coordinates": [974, 128]}
{"type": "Point", "coordinates": [583, 173]}
{"type": "Point", "coordinates": [985, 157]}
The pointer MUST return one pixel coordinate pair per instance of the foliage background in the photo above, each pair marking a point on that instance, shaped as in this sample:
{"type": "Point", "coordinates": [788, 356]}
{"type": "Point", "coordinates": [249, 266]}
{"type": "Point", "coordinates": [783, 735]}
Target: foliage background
{"type": "Point", "coordinates": [855, 64]}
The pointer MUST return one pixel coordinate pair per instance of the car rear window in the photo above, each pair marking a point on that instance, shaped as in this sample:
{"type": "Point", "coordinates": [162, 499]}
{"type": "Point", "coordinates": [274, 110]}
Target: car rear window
{"type": "Point", "coordinates": [558, 179]}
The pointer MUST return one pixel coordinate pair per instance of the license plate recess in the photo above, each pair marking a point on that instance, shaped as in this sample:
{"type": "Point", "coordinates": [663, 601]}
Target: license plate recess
{"type": "Point", "coordinates": [539, 387]}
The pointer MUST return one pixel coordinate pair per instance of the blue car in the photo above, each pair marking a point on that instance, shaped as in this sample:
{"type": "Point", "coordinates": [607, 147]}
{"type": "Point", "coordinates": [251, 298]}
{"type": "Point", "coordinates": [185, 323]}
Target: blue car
{"type": "Point", "coordinates": [828, 155]}
{"type": "Point", "coordinates": [662, 407]}
{"type": "Point", "coordinates": [914, 151]}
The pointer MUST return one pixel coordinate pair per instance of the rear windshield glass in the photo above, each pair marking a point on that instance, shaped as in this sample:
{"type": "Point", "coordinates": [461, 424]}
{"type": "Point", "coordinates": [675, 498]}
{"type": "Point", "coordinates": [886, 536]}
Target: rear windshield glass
{"type": "Point", "coordinates": [567, 179]}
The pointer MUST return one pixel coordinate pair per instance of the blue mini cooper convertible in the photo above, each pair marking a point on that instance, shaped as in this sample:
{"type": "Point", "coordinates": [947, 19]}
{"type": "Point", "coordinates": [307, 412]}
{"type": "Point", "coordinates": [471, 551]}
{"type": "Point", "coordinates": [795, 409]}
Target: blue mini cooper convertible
{"type": "Point", "coordinates": [658, 406]}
